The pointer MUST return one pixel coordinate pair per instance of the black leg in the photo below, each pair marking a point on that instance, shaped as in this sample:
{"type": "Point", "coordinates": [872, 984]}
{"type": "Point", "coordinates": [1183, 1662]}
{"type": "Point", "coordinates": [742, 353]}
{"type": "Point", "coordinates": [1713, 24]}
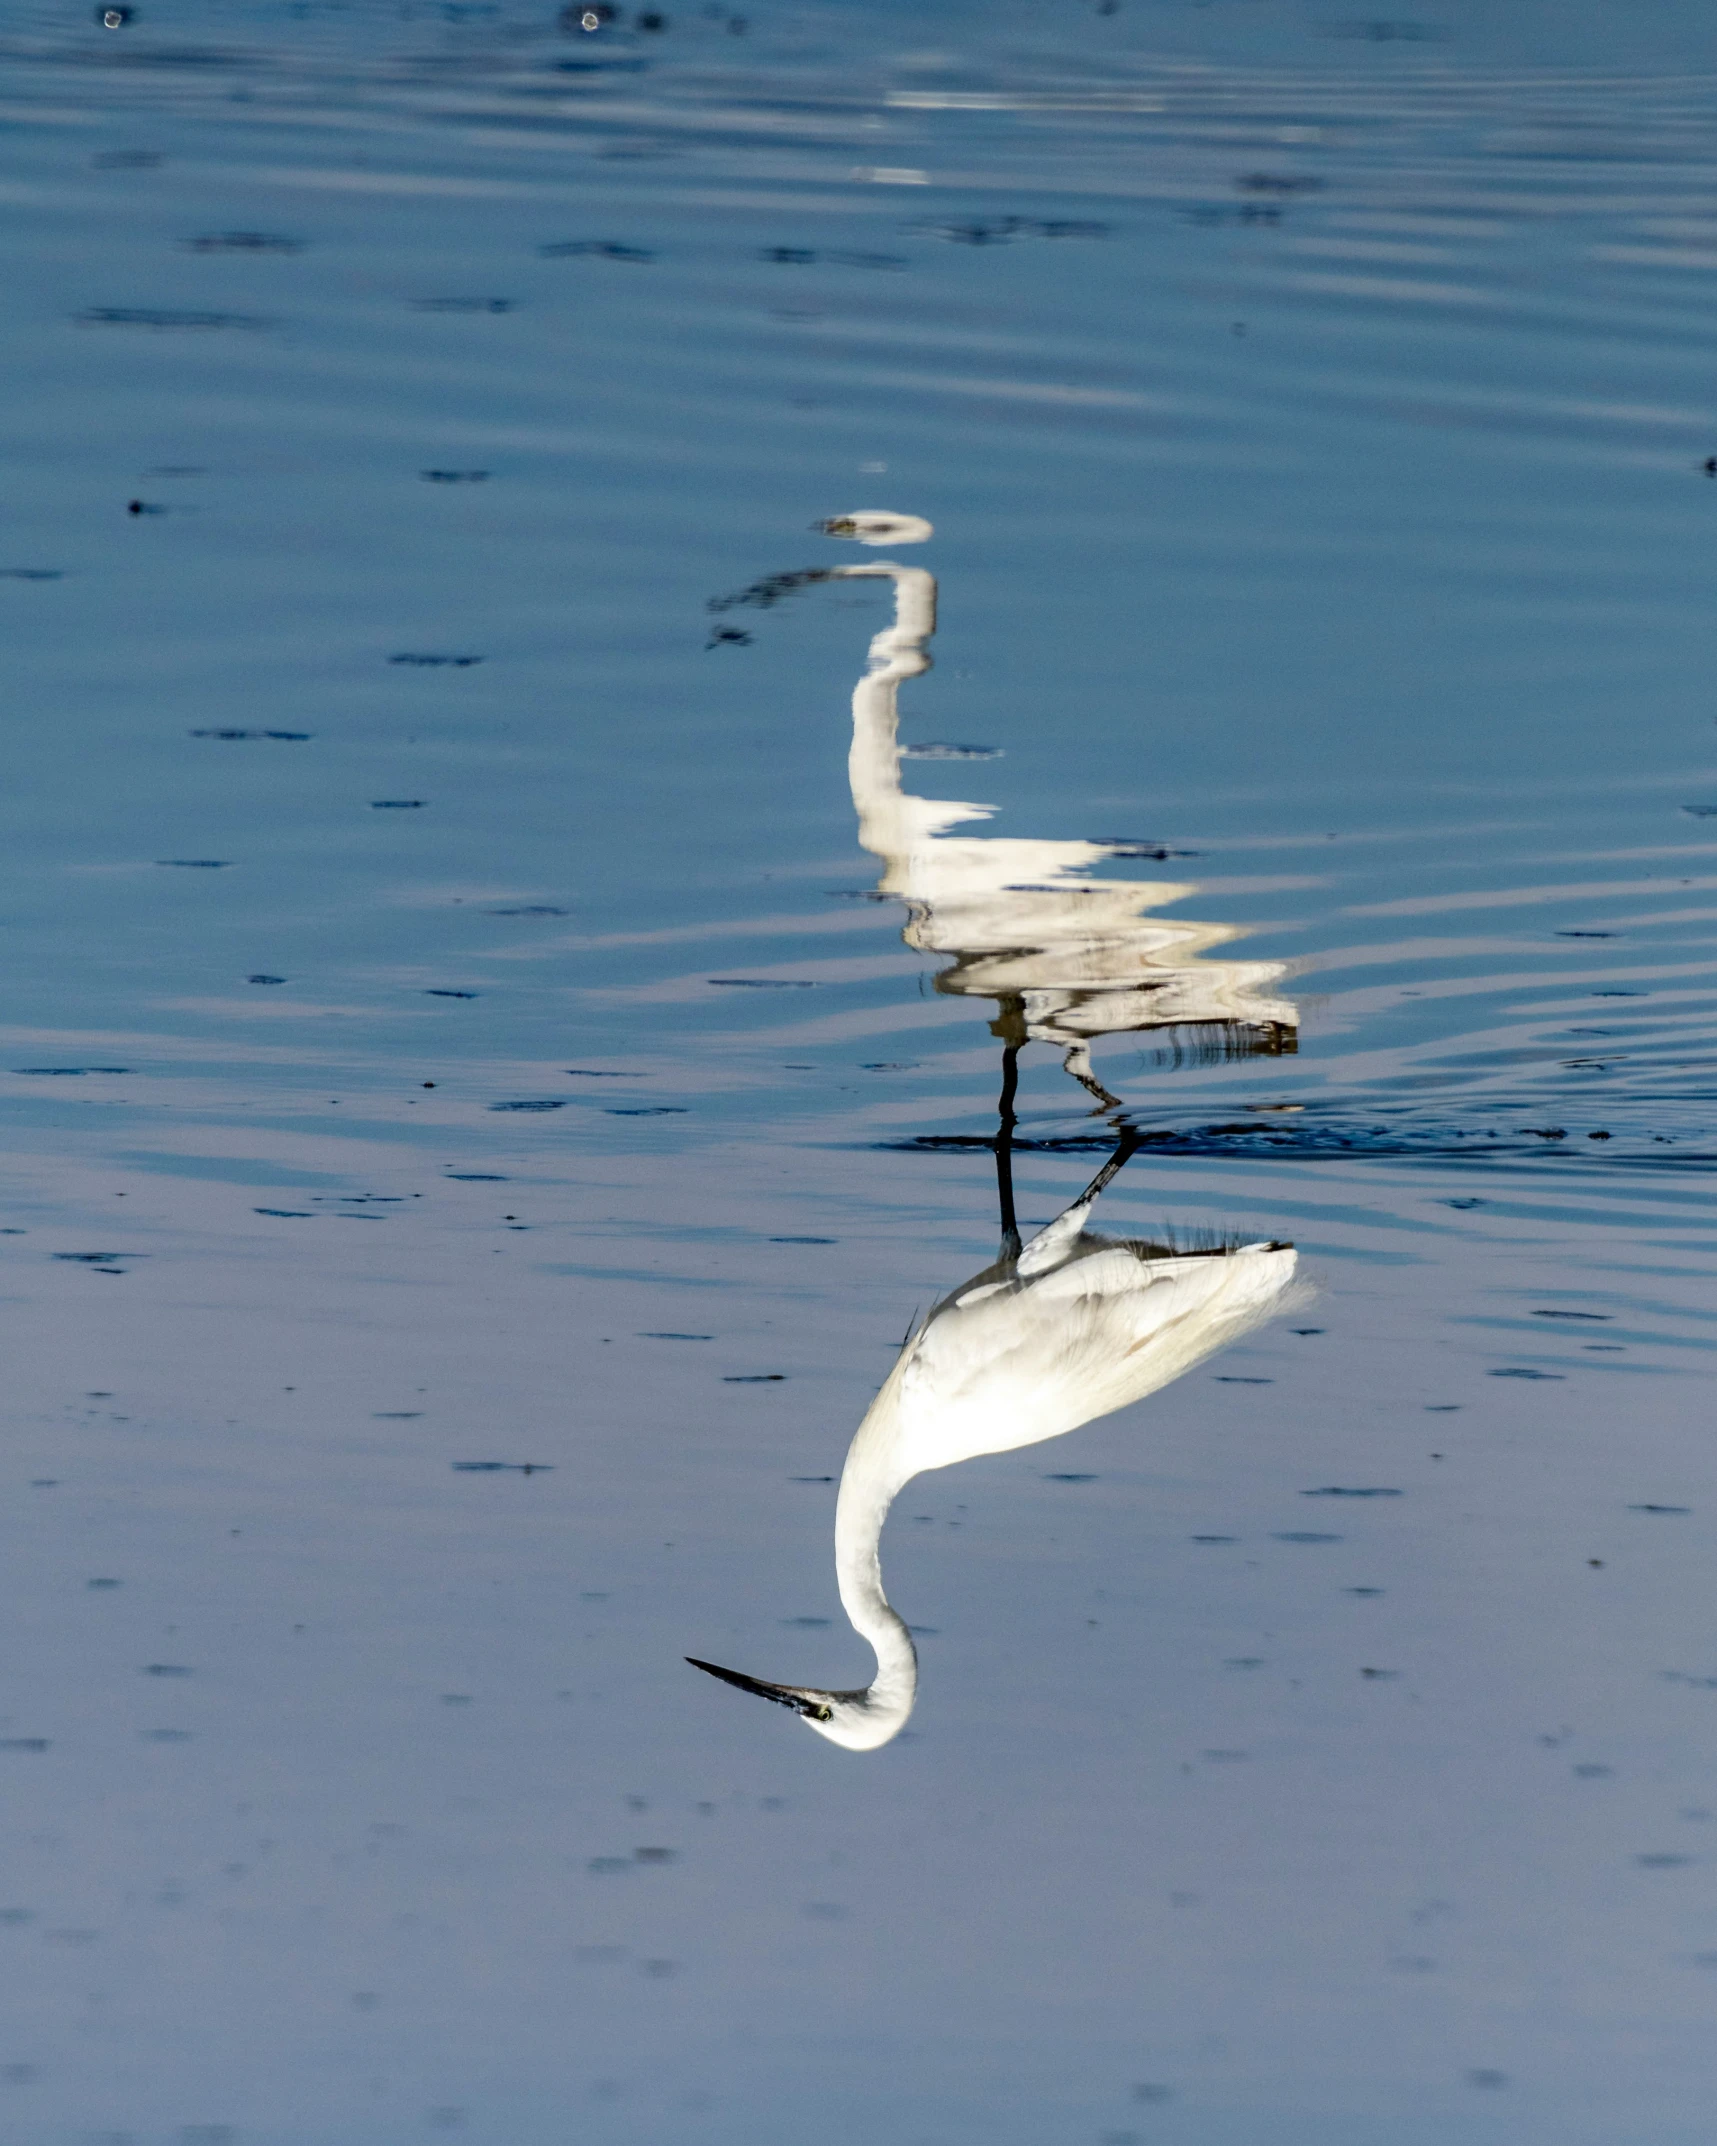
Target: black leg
{"type": "Point", "coordinates": [1126, 1147]}
{"type": "Point", "coordinates": [1004, 1151]}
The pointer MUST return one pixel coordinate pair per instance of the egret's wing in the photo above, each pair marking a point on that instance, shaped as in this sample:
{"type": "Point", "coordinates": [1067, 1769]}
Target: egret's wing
{"type": "Point", "coordinates": [1013, 1366]}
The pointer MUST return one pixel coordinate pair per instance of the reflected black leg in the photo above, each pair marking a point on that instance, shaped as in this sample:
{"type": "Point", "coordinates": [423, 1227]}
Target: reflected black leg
{"type": "Point", "coordinates": [1078, 1063]}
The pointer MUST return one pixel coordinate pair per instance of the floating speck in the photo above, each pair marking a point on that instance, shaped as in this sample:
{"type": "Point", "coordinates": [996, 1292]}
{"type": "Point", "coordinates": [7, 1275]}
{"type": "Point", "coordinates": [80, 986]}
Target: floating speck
{"type": "Point", "coordinates": [246, 242]}
{"type": "Point", "coordinates": [165, 317]}
{"type": "Point", "coordinates": [601, 249]}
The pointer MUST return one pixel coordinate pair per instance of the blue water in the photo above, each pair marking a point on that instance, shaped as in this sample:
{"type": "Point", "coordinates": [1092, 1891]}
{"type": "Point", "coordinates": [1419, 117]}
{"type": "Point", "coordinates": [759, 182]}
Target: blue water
{"type": "Point", "coordinates": [1312, 413]}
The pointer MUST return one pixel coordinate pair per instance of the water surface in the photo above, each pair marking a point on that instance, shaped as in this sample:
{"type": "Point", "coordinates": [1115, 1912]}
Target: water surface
{"type": "Point", "coordinates": [431, 824]}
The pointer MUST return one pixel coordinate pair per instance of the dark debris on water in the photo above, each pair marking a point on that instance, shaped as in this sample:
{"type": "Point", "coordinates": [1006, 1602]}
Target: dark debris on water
{"type": "Point", "coordinates": [245, 242]}
{"type": "Point", "coordinates": [603, 249]}
{"type": "Point", "coordinates": [165, 317]}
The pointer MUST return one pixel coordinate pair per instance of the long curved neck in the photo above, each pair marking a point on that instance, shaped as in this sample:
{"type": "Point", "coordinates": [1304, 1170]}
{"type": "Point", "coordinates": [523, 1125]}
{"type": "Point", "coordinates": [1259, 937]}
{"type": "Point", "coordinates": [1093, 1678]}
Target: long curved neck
{"type": "Point", "coordinates": [869, 1484]}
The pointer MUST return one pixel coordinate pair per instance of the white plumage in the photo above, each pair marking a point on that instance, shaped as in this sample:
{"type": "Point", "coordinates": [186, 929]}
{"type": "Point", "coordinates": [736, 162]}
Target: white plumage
{"type": "Point", "coordinates": [1072, 1327]}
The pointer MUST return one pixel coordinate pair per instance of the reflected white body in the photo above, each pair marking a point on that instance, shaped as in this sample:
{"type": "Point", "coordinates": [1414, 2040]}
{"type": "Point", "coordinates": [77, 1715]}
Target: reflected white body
{"type": "Point", "coordinates": [1022, 918]}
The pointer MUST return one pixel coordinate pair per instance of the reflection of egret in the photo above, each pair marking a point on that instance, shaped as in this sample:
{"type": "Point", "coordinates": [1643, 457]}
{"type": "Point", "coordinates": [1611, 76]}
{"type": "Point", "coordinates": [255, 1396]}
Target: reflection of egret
{"type": "Point", "coordinates": [1069, 957]}
{"type": "Point", "coordinates": [1071, 1326]}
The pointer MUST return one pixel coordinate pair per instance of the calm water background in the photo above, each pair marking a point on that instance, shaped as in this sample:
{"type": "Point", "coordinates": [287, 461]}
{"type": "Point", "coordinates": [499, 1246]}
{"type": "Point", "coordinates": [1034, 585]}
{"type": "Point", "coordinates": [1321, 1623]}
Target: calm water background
{"type": "Point", "coordinates": [1311, 409]}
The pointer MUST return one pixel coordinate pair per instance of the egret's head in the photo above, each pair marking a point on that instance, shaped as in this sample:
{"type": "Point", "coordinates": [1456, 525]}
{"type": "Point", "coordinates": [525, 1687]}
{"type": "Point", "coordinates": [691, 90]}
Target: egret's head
{"type": "Point", "coordinates": [856, 1720]}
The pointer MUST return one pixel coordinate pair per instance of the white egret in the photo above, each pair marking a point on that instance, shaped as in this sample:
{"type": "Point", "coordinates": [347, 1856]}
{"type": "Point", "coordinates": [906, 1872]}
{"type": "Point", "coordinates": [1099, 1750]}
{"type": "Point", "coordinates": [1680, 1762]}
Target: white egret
{"type": "Point", "coordinates": [1069, 1327]}
{"type": "Point", "coordinates": [1072, 1325]}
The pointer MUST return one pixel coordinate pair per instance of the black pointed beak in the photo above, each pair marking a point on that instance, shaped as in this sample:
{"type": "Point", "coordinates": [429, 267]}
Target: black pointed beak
{"type": "Point", "coordinates": [811, 1704]}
